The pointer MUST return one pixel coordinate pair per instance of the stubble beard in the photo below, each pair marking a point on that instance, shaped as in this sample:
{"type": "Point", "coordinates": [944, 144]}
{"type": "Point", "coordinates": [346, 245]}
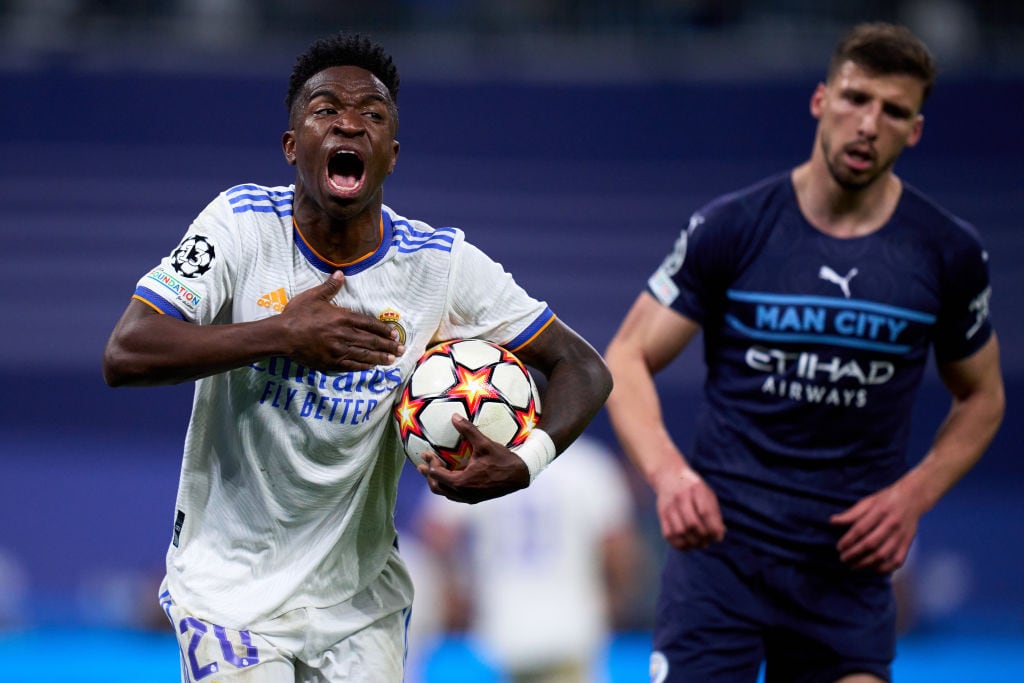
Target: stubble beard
{"type": "Point", "coordinates": [844, 180]}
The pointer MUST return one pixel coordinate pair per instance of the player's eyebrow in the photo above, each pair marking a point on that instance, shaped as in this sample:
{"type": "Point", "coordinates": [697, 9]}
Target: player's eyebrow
{"type": "Point", "coordinates": [328, 92]}
{"type": "Point", "coordinates": [897, 110]}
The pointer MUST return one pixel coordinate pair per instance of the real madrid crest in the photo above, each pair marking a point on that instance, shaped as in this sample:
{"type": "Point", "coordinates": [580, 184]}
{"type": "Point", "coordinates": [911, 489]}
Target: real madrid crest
{"type": "Point", "coordinates": [389, 316]}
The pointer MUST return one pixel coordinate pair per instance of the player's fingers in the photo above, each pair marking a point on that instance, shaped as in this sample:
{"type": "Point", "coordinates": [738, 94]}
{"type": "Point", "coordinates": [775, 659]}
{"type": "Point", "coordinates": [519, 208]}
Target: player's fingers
{"type": "Point", "coordinates": [870, 549]}
{"type": "Point", "coordinates": [426, 458]}
{"type": "Point", "coordinates": [683, 527]}
{"type": "Point", "coordinates": [896, 560]}
{"type": "Point", "coordinates": [468, 430]}
{"type": "Point", "coordinates": [866, 520]}
{"type": "Point", "coordinates": [331, 285]}
{"type": "Point", "coordinates": [673, 525]}
{"type": "Point", "coordinates": [363, 331]}
{"type": "Point", "coordinates": [432, 469]}
{"type": "Point", "coordinates": [850, 514]}
{"type": "Point", "coordinates": [439, 479]}
{"type": "Point", "coordinates": [706, 509]}
{"type": "Point", "coordinates": [884, 559]}
{"type": "Point", "coordinates": [879, 559]}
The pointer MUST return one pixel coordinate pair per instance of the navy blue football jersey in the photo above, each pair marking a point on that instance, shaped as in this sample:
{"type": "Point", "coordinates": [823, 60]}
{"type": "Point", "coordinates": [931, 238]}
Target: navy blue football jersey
{"type": "Point", "coordinates": [815, 347]}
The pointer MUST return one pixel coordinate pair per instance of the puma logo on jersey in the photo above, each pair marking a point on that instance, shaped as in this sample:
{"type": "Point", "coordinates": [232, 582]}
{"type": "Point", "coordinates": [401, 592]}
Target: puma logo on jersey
{"type": "Point", "coordinates": [826, 273]}
{"type": "Point", "coordinates": [275, 300]}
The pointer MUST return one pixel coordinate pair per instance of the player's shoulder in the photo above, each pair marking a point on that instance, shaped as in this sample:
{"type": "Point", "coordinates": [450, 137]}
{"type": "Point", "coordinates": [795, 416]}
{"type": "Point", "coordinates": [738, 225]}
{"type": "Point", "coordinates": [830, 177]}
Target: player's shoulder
{"type": "Point", "coordinates": [739, 220]}
{"type": "Point", "coordinates": [934, 220]}
{"type": "Point", "coordinates": [753, 197]}
{"type": "Point", "coordinates": [409, 235]}
{"type": "Point", "coordinates": [739, 215]}
{"type": "Point", "coordinates": [252, 198]}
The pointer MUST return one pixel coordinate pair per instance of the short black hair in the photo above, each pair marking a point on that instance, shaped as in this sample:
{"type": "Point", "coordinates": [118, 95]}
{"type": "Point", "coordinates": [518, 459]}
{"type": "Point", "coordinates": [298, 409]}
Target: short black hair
{"type": "Point", "coordinates": [343, 49]}
{"type": "Point", "coordinates": [885, 49]}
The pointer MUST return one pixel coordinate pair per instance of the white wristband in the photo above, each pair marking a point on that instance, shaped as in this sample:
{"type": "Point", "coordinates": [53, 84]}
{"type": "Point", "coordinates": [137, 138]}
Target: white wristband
{"type": "Point", "coordinates": [537, 452]}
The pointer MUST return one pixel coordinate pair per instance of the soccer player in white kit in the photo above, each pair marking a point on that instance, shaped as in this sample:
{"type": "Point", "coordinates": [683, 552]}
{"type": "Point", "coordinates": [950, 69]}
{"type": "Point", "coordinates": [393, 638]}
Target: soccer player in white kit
{"type": "Point", "coordinates": [543, 574]}
{"type": "Point", "coordinates": [299, 311]}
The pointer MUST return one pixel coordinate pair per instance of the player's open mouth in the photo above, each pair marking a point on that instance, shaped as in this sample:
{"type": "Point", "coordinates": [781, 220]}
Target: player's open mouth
{"type": "Point", "coordinates": [859, 157]}
{"type": "Point", "coordinates": [345, 171]}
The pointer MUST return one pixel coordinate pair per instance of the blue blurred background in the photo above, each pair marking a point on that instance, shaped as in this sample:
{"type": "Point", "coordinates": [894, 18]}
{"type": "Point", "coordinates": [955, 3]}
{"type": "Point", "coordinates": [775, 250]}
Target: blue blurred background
{"type": "Point", "coordinates": [570, 139]}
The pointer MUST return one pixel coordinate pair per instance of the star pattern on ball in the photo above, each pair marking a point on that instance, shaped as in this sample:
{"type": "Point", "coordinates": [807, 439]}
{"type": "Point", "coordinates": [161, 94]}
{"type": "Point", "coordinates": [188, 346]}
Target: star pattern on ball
{"type": "Point", "coordinates": [528, 419]}
{"type": "Point", "coordinates": [473, 387]}
{"type": "Point", "coordinates": [406, 412]}
{"type": "Point", "coordinates": [456, 456]}
{"type": "Point", "coordinates": [475, 378]}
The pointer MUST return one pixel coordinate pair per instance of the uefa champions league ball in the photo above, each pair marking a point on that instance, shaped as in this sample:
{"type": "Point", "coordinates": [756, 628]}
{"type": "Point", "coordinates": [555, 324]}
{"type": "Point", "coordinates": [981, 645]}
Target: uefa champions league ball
{"type": "Point", "coordinates": [474, 378]}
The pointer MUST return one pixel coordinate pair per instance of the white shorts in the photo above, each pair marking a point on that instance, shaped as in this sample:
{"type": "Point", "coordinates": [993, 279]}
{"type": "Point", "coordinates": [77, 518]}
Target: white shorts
{"type": "Point", "coordinates": [309, 645]}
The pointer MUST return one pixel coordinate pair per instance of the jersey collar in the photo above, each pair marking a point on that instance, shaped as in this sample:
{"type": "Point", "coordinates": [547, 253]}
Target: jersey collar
{"type": "Point", "coordinates": [351, 267]}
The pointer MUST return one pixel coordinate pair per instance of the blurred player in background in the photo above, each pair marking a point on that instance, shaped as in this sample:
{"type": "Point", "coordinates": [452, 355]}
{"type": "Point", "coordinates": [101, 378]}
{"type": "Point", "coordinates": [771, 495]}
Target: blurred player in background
{"type": "Point", "coordinates": [539, 579]}
{"type": "Point", "coordinates": [820, 292]}
{"type": "Point", "coordinates": [299, 310]}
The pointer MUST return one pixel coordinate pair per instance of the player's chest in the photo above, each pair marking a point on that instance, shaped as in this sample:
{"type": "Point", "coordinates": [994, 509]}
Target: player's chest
{"type": "Point", "coordinates": [875, 294]}
{"type": "Point", "coordinates": [410, 296]}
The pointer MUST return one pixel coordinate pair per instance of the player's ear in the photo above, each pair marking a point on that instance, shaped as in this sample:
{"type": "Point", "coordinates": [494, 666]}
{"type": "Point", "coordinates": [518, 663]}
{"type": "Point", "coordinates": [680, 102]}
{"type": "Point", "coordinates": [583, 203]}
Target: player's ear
{"type": "Point", "coordinates": [917, 131]}
{"type": "Point", "coordinates": [817, 98]}
{"type": "Point", "coordinates": [288, 146]}
{"type": "Point", "coordinates": [394, 157]}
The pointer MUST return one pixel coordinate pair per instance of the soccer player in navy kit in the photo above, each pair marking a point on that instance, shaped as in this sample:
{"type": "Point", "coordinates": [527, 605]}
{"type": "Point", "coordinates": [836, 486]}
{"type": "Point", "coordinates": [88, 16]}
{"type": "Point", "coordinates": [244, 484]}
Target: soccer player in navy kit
{"type": "Point", "coordinates": [820, 292]}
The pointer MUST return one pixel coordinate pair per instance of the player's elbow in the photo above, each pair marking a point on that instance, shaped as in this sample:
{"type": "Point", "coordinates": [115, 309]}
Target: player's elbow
{"type": "Point", "coordinates": [125, 367]}
{"type": "Point", "coordinates": [117, 370]}
{"type": "Point", "coordinates": [595, 378]}
{"type": "Point", "coordinates": [598, 376]}
{"type": "Point", "coordinates": [996, 406]}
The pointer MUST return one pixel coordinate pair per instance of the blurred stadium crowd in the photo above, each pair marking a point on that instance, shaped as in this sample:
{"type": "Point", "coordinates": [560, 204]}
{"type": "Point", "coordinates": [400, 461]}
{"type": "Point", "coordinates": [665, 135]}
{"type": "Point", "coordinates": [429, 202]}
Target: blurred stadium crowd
{"type": "Point", "coordinates": [592, 39]}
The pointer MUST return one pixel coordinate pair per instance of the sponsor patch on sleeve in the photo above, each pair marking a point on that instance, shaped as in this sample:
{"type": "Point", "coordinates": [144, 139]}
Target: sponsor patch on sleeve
{"type": "Point", "coordinates": [169, 283]}
{"type": "Point", "coordinates": [663, 288]}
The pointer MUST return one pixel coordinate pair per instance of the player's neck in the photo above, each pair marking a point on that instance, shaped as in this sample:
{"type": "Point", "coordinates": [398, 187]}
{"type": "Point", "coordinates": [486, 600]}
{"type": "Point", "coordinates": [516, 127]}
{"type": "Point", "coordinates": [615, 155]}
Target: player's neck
{"type": "Point", "coordinates": [339, 240]}
{"type": "Point", "coordinates": [843, 212]}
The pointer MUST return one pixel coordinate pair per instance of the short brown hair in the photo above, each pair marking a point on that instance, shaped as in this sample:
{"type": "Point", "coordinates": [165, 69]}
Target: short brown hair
{"type": "Point", "coordinates": [885, 49]}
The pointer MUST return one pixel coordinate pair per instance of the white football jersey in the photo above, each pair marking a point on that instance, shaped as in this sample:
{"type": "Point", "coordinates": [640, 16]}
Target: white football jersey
{"type": "Point", "coordinates": [536, 569]}
{"type": "Point", "coordinates": [289, 476]}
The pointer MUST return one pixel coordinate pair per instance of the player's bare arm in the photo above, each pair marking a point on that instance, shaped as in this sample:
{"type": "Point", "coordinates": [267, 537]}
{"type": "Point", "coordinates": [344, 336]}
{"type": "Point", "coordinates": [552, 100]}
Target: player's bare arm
{"type": "Point", "coordinates": [578, 382]}
{"type": "Point", "coordinates": [148, 348]}
{"type": "Point", "coordinates": [650, 337]}
{"type": "Point", "coordinates": [883, 525]}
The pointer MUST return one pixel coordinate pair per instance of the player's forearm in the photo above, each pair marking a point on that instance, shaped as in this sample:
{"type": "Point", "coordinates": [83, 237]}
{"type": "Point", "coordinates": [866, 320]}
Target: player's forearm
{"type": "Point", "coordinates": [959, 443]}
{"type": "Point", "coordinates": [636, 416]}
{"type": "Point", "coordinates": [979, 401]}
{"type": "Point", "coordinates": [156, 349]}
{"type": "Point", "coordinates": [575, 392]}
{"type": "Point", "coordinates": [577, 382]}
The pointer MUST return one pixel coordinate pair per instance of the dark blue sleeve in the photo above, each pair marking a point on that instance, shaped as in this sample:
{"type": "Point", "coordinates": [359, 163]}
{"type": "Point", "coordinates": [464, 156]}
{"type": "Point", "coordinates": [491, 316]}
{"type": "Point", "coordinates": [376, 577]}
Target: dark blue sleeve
{"type": "Point", "coordinates": [964, 325]}
{"type": "Point", "coordinates": [697, 270]}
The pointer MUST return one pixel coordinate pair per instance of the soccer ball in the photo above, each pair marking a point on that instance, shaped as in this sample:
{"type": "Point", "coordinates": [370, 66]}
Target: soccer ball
{"type": "Point", "coordinates": [477, 379]}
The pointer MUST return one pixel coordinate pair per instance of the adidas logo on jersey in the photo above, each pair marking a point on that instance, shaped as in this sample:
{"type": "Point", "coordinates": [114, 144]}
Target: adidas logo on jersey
{"type": "Point", "coordinates": [275, 300]}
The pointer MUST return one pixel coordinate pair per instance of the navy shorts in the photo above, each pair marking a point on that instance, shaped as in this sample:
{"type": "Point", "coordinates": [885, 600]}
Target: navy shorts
{"type": "Point", "coordinates": [724, 610]}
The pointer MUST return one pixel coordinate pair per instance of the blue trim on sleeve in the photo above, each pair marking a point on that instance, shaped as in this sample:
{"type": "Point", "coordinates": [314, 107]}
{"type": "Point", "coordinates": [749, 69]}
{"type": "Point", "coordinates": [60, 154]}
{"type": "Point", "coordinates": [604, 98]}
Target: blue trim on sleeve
{"type": "Point", "coordinates": [258, 199]}
{"type": "Point", "coordinates": [162, 304]}
{"type": "Point", "coordinates": [408, 239]}
{"type": "Point", "coordinates": [527, 335]}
